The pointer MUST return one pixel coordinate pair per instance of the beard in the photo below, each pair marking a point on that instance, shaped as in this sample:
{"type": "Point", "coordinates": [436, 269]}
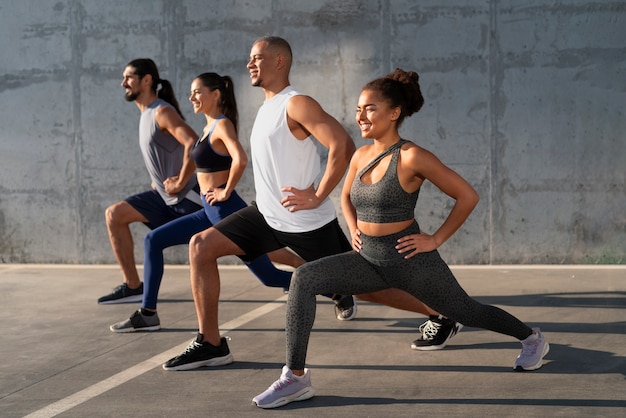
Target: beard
{"type": "Point", "coordinates": [131, 97]}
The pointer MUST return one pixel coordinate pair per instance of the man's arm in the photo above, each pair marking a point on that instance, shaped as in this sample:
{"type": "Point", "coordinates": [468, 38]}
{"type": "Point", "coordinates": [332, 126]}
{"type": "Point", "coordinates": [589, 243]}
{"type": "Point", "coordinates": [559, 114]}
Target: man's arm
{"type": "Point", "coordinates": [306, 117]}
{"type": "Point", "coordinates": [170, 121]}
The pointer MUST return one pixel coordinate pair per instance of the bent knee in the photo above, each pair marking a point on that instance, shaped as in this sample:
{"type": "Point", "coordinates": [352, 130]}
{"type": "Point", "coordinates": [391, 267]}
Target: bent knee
{"type": "Point", "coordinates": [112, 214]}
{"type": "Point", "coordinates": [303, 275]}
{"type": "Point", "coordinates": [201, 245]}
{"type": "Point", "coordinates": [122, 213]}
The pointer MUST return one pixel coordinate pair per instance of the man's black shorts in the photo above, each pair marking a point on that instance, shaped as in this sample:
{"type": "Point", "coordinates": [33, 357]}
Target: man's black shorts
{"type": "Point", "coordinates": [248, 229]}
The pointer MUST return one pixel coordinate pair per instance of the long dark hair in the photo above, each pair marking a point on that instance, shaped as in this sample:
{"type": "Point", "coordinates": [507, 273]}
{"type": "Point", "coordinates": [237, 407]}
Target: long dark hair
{"type": "Point", "coordinates": [224, 84]}
{"type": "Point", "coordinates": [165, 91]}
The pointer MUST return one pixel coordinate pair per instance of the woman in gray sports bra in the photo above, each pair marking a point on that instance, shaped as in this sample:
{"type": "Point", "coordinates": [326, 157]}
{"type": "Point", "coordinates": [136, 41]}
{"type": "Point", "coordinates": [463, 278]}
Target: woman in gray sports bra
{"type": "Point", "coordinates": [378, 203]}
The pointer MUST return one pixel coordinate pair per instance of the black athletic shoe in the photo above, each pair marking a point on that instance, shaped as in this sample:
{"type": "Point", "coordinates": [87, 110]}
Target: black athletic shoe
{"type": "Point", "coordinates": [345, 308]}
{"type": "Point", "coordinates": [436, 332]}
{"type": "Point", "coordinates": [199, 354]}
{"type": "Point", "coordinates": [123, 294]}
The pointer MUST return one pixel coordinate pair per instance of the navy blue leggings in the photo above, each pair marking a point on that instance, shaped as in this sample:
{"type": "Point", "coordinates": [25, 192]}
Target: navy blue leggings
{"type": "Point", "coordinates": [180, 231]}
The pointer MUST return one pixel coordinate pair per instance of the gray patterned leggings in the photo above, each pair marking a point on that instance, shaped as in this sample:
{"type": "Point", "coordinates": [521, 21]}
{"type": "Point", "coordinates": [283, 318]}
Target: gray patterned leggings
{"type": "Point", "coordinates": [379, 266]}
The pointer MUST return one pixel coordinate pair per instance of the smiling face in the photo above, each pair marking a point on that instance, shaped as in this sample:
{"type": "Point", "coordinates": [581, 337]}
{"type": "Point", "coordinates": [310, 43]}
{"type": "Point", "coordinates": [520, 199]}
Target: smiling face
{"type": "Point", "coordinates": [259, 63]}
{"type": "Point", "coordinates": [269, 64]}
{"type": "Point", "coordinates": [202, 98]}
{"type": "Point", "coordinates": [131, 84]}
{"type": "Point", "coordinates": [375, 116]}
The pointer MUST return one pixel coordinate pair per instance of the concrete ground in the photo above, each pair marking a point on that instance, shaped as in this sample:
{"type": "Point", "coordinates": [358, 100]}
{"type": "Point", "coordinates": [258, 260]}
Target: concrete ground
{"type": "Point", "coordinates": [58, 357]}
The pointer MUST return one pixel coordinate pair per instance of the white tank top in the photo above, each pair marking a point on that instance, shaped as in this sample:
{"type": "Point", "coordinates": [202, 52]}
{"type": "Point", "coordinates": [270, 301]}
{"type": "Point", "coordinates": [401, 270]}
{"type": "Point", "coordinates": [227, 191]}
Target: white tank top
{"type": "Point", "coordinates": [279, 160]}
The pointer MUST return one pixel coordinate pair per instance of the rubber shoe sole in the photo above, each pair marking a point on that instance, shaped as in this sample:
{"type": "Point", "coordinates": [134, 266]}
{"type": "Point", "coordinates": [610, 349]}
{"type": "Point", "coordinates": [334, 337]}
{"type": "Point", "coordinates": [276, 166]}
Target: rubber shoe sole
{"type": "Point", "coordinates": [213, 362]}
{"type": "Point", "coordinates": [127, 299]}
{"type": "Point", "coordinates": [143, 329]}
{"type": "Point", "coordinates": [302, 395]}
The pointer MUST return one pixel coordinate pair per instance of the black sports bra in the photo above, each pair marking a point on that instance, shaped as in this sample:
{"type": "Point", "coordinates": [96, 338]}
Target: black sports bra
{"type": "Point", "coordinates": [206, 158]}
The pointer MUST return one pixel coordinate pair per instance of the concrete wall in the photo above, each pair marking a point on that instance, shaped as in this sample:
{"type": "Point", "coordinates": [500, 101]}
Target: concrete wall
{"type": "Point", "coordinates": [523, 98]}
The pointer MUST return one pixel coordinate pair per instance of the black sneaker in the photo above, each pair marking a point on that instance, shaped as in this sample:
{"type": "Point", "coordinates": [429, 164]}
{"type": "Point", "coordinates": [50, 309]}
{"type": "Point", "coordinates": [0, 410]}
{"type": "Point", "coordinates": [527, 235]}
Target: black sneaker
{"type": "Point", "coordinates": [436, 332]}
{"type": "Point", "coordinates": [137, 322]}
{"type": "Point", "coordinates": [345, 308]}
{"type": "Point", "coordinates": [123, 294]}
{"type": "Point", "coordinates": [198, 354]}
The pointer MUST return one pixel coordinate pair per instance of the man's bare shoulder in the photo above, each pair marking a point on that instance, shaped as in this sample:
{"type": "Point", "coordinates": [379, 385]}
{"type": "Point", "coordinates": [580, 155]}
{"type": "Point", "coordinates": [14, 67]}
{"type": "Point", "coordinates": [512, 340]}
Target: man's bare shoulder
{"type": "Point", "coordinates": [302, 107]}
{"type": "Point", "coordinates": [302, 100]}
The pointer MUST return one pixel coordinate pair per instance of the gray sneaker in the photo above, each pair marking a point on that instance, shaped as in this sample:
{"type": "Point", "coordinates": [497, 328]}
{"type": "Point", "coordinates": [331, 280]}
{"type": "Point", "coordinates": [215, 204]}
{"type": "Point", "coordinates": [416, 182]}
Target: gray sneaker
{"type": "Point", "coordinates": [288, 388]}
{"type": "Point", "coordinates": [345, 308]}
{"type": "Point", "coordinates": [137, 322]}
{"type": "Point", "coordinates": [534, 349]}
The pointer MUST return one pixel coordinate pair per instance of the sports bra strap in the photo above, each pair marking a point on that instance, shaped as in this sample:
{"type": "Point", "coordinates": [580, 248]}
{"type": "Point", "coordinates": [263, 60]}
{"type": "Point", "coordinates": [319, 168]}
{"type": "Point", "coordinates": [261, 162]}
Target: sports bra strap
{"type": "Point", "coordinates": [384, 154]}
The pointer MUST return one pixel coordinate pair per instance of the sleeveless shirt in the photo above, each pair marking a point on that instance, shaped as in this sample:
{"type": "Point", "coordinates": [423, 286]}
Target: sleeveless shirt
{"type": "Point", "coordinates": [162, 153]}
{"type": "Point", "coordinates": [279, 159]}
{"type": "Point", "coordinates": [206, 158]}
{"type": "Point", "coordinates": [384, 201]}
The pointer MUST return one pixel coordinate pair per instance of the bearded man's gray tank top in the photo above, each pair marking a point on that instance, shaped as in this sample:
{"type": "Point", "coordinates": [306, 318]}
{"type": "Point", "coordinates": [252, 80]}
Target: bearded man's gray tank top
{"type": "Point", "coordinates": [162, 154]}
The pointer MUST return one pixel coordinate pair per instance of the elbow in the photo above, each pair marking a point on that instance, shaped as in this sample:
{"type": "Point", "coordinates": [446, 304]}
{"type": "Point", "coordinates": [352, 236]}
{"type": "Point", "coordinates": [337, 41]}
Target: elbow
{"type": "Point", "coordinates": [343, 149]}
{"type": "Point", "coordinates": [240, 161]}
{"type": "Point", "coordinates": [474, 198]}
{"type": "Point", "coordinates": [243, 162]}
{"type": "Point", "coordinates": [350, 148]}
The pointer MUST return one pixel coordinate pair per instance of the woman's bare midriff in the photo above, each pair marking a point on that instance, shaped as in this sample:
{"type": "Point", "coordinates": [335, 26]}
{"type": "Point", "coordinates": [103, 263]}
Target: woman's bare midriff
{"type": "Point", "coordinates": [209, 181]}
{"type": "Point", "coordinates": [378, 230]}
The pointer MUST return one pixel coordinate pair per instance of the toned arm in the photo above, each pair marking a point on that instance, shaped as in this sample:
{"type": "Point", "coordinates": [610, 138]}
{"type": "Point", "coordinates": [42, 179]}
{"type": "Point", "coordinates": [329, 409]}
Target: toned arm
{"type": "Point", "coordinates": [306, 117]}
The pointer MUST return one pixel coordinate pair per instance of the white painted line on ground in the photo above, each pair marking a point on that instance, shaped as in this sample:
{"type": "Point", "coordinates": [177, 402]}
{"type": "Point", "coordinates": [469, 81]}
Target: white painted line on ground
{"type": "Point", "coordinates": [99, 388]}
{"type": "Point", "coordinates": [242, 267]}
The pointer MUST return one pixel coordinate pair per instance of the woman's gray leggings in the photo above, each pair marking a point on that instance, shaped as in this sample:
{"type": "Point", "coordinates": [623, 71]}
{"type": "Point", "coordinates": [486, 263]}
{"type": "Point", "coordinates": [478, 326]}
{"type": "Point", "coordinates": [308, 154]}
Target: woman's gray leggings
{"type": "Point", "coordinates": [379, 266]}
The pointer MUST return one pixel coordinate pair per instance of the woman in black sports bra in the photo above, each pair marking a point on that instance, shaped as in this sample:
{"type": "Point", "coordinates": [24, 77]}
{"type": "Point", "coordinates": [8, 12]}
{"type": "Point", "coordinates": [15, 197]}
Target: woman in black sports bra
{"type": "Point", "coordinates": [220, 162]}
{"type": "Point", "coordinates": [378, 202]}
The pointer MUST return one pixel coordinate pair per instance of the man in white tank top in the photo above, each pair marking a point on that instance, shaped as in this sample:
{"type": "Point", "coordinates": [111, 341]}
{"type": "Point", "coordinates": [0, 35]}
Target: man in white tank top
{"type": "Point", "coordinates": [293, 205]}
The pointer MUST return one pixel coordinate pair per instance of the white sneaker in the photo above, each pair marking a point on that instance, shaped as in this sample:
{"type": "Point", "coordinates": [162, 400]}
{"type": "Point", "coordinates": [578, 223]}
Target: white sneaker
{"type": "Point", "coordinates": [288, 388]}
{"type": "Point", "coordinates": [534, 349]}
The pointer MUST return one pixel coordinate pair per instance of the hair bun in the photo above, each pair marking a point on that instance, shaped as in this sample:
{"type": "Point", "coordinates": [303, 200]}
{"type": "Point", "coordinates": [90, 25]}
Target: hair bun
{"type": "Point", "coordinates": [412, 91]}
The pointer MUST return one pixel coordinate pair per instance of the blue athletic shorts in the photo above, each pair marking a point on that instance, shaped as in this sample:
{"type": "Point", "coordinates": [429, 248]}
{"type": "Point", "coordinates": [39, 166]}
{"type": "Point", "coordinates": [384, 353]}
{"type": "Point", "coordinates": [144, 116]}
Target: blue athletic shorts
{"type": "Point", "coordinates": [151, 205]}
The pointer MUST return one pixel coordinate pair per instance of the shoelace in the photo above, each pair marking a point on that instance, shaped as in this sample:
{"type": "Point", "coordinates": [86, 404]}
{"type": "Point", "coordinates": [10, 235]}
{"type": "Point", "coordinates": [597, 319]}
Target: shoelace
{"type": "Point", "coordinates": [529, 349]}
{"type": "Point", "coordinates": [284, 381]}
{"type": "Point", "coordinates": [429, 329]}
{"type": "Point", "coordinates": [192, 346]}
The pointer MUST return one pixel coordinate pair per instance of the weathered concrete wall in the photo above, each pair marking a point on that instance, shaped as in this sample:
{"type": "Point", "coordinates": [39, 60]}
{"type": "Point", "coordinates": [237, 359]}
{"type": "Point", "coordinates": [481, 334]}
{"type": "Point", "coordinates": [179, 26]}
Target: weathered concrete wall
{"type": "Point", "coordinates": [524, 98]}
